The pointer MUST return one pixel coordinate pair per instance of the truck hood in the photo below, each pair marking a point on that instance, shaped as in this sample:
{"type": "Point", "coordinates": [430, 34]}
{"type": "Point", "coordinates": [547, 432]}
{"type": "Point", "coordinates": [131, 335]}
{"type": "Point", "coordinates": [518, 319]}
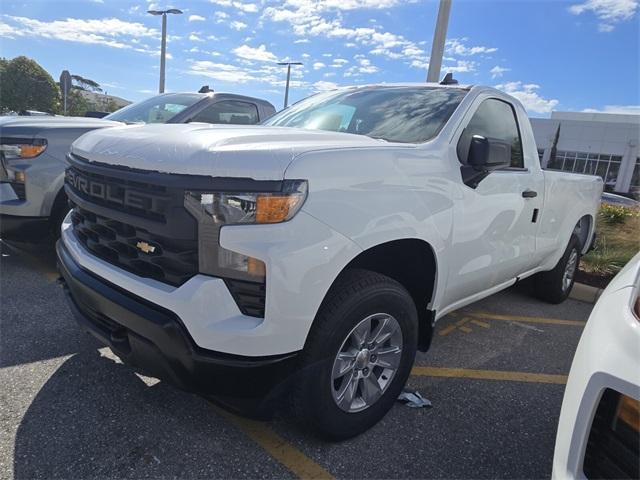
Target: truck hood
{"type": "Point", "coordinates": [54, 122]}
{"type": "Point", "coordinates": [258, 152]}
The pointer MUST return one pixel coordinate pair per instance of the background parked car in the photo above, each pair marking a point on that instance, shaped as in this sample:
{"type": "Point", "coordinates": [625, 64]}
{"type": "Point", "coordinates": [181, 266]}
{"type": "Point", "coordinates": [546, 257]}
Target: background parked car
{"type": "Point", "coordinates": [33, 150]}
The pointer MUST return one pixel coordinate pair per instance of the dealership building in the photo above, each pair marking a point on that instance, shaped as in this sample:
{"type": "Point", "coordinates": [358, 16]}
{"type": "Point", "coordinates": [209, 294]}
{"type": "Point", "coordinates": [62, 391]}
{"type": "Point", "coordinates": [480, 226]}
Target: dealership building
{"type": "Point", "coordinates": [601, 144]}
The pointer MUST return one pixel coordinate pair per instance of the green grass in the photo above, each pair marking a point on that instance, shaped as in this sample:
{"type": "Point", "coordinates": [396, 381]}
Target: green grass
{"type": "Point", "coordinates": [618, 240]}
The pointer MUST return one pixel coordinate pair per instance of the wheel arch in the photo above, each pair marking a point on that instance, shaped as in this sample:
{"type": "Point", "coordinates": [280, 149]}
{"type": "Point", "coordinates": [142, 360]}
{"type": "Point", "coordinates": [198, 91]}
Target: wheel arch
{"type": "Point", "coordinates": [585, 231]}
{"type": "Point", "coordinates": [412, 263]}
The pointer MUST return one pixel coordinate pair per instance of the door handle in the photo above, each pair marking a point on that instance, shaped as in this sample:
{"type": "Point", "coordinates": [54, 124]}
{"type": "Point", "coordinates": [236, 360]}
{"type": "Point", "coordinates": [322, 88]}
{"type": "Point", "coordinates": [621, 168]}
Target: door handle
{"type": "Point", "coordinates": [529, 194]}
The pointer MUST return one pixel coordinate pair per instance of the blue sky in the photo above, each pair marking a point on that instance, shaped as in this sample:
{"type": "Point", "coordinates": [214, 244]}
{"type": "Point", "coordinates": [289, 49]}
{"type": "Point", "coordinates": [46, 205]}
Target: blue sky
{"type": "Point", "coordinates": [552, 55]}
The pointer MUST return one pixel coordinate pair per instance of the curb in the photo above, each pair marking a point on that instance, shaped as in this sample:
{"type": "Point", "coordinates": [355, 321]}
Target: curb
{"type": "Point", "coordinates": [585, 293]}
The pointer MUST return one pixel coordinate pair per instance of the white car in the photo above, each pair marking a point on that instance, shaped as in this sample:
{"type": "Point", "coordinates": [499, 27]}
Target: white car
{"type": "Point", "coordinates": [312, 254]}
{"type": "Point", "coordinates": [599, 428]}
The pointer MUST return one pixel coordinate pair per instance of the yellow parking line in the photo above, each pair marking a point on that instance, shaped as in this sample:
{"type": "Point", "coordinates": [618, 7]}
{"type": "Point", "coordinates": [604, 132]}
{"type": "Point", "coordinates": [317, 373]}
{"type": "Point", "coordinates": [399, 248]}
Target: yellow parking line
{"type": "Point", "coordinates": [480, 324]}
{"type": "Point", "coordinates": [518, 318]}
{"type": "Point", "coordinates": [447, 330]}
{"type": "Point", "coordinates": [489, 375]}
{"type": "Point", "coordinates": [285, 453]}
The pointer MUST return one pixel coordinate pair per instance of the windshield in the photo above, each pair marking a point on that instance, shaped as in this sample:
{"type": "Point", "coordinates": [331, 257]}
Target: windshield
{"type": "Point", "coordinates": [158, 109]}
{"type": "Point", "coordinates": [395, 114]}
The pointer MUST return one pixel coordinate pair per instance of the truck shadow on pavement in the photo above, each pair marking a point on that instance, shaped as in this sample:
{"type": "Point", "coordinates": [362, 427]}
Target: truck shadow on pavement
{"type": "Point", "coordinates": [95, 418]}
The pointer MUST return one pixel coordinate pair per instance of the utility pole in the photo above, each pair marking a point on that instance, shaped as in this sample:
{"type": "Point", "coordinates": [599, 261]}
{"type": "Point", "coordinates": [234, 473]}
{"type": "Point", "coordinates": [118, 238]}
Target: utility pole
{"type": "Point", "coordinates": [286, 90]}
{"type": "Point", "coordinates": [163, 48]}
{"type": "Point", "coordinates": [439, 38]}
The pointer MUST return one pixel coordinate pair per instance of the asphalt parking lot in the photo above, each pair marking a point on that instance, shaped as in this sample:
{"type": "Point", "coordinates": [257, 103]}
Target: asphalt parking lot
{"type": "Point", "coordinates": [495, 376]}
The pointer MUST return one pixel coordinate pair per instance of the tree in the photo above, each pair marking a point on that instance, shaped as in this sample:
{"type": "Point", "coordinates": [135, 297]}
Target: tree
{"type": "Point", "coordinates": [87, 84]}
{"type": "Point", "coordinates": [77, 104]}
{"type": "Point", "coordinates": [27, 86]}
{"type": "Point", "coordinates": [111, 106]}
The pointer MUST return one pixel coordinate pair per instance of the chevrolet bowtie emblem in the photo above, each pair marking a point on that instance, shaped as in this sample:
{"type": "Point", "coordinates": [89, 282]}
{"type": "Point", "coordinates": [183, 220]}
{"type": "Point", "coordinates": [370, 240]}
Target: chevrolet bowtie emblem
{"type": "Point", "coordinates": [145, 247]}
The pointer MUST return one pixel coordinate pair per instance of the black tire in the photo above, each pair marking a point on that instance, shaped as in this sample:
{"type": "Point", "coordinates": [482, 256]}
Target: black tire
{"type": "Point", "coordinates": [550, 286]}
{"type": "Point", "coordinates": [355, 296]}
{"type": "Point", "coordinates": [58, 212]}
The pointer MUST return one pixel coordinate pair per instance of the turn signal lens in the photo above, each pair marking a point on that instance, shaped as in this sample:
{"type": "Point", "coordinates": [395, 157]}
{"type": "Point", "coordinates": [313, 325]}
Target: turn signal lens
{"type": "Point", "coordinates": [275, 209]}
{"type": "Point", "coordinates": [30, 151]}
{"type": "Point", "coordinates": [629, 412]}
{"type": "Point", "coordinates": [12, 151]}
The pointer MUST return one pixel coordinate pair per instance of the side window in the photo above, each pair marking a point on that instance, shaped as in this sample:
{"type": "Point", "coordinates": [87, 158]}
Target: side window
{"type": "Point", "coordinates": [229, 112]}
{"type": "Point", "coordinates": [496, 120]}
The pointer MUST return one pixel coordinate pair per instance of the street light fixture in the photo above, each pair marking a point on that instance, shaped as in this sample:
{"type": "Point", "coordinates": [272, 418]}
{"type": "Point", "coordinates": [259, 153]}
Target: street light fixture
{"type": "Point", "coordinates": [286, 90]}
{"type": "Point", "coordinates": [163, 50]}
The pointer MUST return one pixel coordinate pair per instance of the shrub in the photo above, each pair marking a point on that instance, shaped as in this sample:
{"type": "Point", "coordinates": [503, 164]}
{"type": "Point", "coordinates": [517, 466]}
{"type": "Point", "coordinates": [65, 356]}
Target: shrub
{"type": "Point", "coordinates": [614, 214]}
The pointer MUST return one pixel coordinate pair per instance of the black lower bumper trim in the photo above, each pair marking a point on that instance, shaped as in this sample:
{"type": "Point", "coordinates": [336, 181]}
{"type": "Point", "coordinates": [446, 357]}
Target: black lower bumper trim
{"type": "Point", "coordinates": [154, 340]}
{"type": "Point", "coordinates": [15, 227]}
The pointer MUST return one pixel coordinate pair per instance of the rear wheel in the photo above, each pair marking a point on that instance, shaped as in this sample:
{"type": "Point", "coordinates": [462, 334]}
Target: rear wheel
{"type": "Point", "coordinates": [555, 285]}
{"type": "Point", "coordinates": [358, 355]}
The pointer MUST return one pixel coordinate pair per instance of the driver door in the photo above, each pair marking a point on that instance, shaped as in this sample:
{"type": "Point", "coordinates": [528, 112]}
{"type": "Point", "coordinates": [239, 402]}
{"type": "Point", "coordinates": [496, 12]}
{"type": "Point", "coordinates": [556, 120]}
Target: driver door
{"type": "Point", "coordinates": [494, 226]}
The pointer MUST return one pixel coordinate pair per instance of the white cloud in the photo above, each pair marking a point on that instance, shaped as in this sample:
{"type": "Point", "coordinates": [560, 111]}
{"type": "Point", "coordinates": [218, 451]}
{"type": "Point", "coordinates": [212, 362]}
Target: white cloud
{"type": "Point", "coordinates": [302, 40]}
{"type": "Point", "coordinates": [323, 86]}
{"type": "Point", "coordinates": [268, 73]}
{"type": "Point", "coordinates": [366, 66]}
{"type": "Point", "coordinates": [498, 71]}
{"type": "Point", "coordinates": [456, 46]}
{"type": "Point", "coordinates": [609, 12]}
{"type": "Point", "coordinates": [196, 18]}
{"type": "Point", "coordinates": [306, 18]}
{"type": "Point", "coordinates": [529, 96]}
{"type": "Point", "coordinates": [339, 62]}
{"type": "Point", "coordinates": [420, 64]}
{"type": "Point", "coordinates": [195, 38]}
{"type": "Point", "coordinates": [238, 25]}
{"type": "Point", "coordinates": [461, 66]}
{"type": "Point", "coordinates": [318, 65]}
{"type": "Point", "coordinates": [242, 6]}
{"type": "Point", "coordinates": [220, 16]}
{"type": "Point", "coordinates": [260, 54]}
{"type": "Point", "coordinates": [619, 109]}
{"type": "Point", "coordinates": [220, 71]}
{"type": "Point", "coordinates": [606, 27]}
{"type": "Point", "coordinates": [110, 32]}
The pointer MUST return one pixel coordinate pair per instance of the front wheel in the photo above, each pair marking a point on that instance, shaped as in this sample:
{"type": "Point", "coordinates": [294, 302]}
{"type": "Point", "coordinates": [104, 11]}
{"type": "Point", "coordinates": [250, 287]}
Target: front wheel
{"type": "Point", "coordinates": [555, 285]}
{"type": "Point", "coordinates": [358, 355]}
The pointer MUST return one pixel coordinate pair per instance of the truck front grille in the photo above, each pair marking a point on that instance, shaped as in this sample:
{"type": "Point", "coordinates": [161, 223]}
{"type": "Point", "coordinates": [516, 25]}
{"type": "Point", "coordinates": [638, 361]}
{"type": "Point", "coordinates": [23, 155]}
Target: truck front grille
{"type": "Point", "coordinates": [137, 221]}
{"type": "Point", "coordinates": [135, 249]}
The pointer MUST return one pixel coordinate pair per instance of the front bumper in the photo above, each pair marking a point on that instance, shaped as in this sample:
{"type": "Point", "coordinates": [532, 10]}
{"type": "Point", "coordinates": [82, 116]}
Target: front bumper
{"type": "Point", "coordinates": [154, 340]}
{"type": "Point", "coordinates": [14, 227]}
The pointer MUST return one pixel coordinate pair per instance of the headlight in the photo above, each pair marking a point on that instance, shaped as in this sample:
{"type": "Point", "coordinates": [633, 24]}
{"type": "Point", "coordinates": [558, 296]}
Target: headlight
{"type": "Point", "coordinates": [238, 208]}
{"type": "Point", "coordinates": [213, 210]}
{"type": "Point", "coordinates": [23, 148]}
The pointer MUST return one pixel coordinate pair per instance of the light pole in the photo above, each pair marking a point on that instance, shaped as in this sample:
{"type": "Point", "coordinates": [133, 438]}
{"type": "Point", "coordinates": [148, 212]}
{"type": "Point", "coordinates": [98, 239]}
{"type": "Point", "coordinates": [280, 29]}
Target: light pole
{"type": "Point", "coordinates": [163, 50]}
{"type": "Point", "coordinates": [286, 90]}
{"type": "Point", "coordinates": [439, 38]}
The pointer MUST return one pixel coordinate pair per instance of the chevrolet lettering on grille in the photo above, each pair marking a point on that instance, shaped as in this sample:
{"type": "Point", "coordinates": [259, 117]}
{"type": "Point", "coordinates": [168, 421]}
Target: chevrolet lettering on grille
{"type": "Point", "coordinates": [112, 193]}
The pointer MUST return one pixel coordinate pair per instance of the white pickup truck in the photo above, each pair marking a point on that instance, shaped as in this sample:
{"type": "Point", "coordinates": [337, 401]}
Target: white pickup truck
{"type": "Point", "coordinates": [312, 255]}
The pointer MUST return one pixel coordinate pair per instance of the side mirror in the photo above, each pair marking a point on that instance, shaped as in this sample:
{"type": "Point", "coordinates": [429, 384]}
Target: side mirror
{"type": "Point", "coordinates": [485, 155]}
